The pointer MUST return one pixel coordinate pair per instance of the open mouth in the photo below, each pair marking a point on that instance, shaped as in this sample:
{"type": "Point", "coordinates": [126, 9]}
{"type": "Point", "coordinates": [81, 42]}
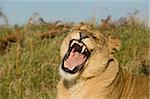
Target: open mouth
{"type": "Point", "coordinates": [76, 57]}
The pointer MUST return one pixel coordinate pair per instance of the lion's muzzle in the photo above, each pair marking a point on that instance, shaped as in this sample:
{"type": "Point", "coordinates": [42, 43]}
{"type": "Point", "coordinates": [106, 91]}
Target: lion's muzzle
{"type": "Point", "coordinates": [76, 57]}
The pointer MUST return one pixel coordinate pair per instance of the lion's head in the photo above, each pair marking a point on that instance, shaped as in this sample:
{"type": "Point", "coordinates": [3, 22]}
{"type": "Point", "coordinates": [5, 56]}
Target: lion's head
{"type": "Point", "coordinates": [84, 52]}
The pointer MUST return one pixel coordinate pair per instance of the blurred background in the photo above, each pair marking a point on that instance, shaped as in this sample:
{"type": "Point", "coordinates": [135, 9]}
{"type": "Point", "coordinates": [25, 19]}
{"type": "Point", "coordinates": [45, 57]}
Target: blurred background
{"type": "Point", "coordinates": [31, 33]}
{"type": "Point", "coordinates": [20, 11]}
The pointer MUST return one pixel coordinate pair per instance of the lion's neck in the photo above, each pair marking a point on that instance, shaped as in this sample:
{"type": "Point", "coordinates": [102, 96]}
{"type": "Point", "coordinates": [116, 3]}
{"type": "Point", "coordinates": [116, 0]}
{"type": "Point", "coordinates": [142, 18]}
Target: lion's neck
{"type": "Point", "coordinates": [109, 74]}
{"type": "Point", "coordinates": [106, 76]}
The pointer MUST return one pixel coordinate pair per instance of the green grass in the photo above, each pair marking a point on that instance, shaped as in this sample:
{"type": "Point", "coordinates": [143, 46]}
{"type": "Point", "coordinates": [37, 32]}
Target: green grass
{"type": "Point", "coordinates": [30, 70]}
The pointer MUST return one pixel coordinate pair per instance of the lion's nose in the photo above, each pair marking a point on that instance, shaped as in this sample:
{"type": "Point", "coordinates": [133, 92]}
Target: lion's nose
{"type": "Point", "coordinates": [83, 35]}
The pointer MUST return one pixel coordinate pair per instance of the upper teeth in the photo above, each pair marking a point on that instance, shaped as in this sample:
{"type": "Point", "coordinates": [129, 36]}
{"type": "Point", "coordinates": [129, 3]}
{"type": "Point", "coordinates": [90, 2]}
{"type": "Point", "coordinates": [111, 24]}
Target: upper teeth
{"type": "Point", "coordinates": [81, 44]}
{"type": "Point", "coordinates": [83, 48]}
{"type": "Point", "coordinates": [76, 42]}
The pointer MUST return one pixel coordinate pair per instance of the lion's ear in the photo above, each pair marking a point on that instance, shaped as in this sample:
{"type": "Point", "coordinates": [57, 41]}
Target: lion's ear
{"type": "Point", "coordinates": [114, 44]}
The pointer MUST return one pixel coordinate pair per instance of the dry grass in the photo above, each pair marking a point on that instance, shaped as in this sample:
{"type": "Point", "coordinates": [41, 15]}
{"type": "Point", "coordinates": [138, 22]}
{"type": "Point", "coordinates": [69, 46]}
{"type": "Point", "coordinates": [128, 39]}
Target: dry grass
{"type": "Point", "coordinates": [29, 69]}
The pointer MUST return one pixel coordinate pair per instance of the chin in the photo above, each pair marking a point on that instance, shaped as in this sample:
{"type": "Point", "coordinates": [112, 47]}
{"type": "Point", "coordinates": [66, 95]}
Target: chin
{"type": "Point", "coordinates": [68, 76]}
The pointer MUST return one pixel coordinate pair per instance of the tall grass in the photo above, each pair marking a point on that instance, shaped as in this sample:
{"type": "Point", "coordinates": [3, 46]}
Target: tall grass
{"type": "Point", "coordinates": [134, 48]}
{"type": "Point", "coordinates": [30, 69]}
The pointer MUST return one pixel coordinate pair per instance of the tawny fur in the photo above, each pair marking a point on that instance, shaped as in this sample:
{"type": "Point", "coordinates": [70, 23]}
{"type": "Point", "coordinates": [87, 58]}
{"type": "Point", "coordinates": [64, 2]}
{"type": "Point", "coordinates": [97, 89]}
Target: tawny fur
{"type": "Point", "coordinates": [102, 77]}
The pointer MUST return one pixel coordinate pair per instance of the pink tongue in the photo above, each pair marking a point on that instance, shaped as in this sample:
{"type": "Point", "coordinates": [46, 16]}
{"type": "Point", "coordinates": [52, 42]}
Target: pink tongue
{"type": "Point", "coordinates": [75, 59]}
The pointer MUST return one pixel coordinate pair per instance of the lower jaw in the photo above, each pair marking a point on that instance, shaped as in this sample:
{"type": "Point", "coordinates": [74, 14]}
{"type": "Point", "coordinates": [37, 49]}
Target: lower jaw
{"type": "Point", "coordinates": [68, 76]}
{"type": "Point", "coordinates": [75, 70]}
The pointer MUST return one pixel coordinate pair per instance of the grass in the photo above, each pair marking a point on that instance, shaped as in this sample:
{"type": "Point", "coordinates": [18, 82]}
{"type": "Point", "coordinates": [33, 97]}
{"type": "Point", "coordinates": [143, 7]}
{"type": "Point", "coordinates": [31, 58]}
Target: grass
{"type": "Point", "coordinates": [30, 69]}
{"type": "Point", "coordinates": [134, 47]}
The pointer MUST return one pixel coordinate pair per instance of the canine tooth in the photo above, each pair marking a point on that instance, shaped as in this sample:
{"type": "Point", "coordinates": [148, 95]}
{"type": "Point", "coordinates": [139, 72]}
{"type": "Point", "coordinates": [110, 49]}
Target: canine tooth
{"type": "Point", "coordinates": [79, 43]}
{"type": "Point", "coordinates": [72, 43]}
{"type": "Point", "coordinates": [76, 43]}
{"type": "Point", "coordinates": [83, 48]}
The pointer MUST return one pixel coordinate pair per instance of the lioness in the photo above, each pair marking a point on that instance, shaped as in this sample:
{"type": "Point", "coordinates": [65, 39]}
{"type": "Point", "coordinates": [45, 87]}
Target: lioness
{"type": "Point", "coordinates": [90, 71]}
